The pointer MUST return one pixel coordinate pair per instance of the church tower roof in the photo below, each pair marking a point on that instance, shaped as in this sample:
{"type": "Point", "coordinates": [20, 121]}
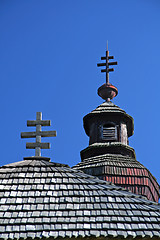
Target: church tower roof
{"type": "Point", "coordinates": [109, 155]}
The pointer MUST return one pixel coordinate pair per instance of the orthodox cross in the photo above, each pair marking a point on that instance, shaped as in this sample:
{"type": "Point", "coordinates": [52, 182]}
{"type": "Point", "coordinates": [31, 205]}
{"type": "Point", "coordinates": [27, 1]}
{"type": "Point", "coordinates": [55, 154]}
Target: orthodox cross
{"type": "Point", "coordinates": [107, 64]}
{"type": "Point", "coordinates": [38, 123]}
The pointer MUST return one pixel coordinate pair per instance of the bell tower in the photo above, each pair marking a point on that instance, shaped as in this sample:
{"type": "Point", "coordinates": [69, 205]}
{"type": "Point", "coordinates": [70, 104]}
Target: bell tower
{"type": "Point", "coordinates": [109, 155]}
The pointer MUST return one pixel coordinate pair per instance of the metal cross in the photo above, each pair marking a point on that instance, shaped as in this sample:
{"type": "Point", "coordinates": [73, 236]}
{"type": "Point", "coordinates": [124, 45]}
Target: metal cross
{"type": "Point", "coordinates": [107, 64]}
{"type": "Point", "coordinates": [38, 123]}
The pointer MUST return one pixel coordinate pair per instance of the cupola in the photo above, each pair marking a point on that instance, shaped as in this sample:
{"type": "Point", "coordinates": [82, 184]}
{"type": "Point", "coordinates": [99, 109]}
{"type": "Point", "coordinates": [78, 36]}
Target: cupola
{"type": "Point", "coordinates": [108, 125]}
{"type": "Point", "coordinates": [109, 155]}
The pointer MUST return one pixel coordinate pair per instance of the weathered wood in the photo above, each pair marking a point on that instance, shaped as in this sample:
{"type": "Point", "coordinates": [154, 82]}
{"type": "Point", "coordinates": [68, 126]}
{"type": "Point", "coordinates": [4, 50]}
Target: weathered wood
{"type": "Point", "coordinates": [40, 133]}
{"type": "Point", "coordinates": [109, 133]}
{"type": "Point", "coordinates": [33, 123]}
{"type": "Point", "coordinates": [38, 123]}
{"type": "Point", "coordinates": [124, 135]}
{"type": "Point", "coordinates": [38, 145]}
{"type": "Point", "coordinates": [107, 69]}
{"type": "Point", "coordinates": [38, 151]}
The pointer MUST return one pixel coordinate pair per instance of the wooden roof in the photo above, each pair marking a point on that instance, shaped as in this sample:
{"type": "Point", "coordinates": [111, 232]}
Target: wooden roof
{"type": "Point", "coordinates": [40, 199]}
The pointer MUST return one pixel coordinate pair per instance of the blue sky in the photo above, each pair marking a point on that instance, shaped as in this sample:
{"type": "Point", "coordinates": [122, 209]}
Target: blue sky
{"type": "Point", "coordinates": [48, 56]}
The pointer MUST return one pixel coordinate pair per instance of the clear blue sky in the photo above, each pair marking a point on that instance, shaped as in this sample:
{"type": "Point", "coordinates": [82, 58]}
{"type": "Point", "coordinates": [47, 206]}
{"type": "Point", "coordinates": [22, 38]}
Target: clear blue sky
{"type": "Point", "coordinates": [48, 56]}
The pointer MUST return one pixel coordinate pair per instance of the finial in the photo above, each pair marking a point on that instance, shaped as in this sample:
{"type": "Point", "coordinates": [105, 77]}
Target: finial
{"type": "Point", "coordinates": [107, 91]}
{"type": "Point", "coordinates": [38, 145]}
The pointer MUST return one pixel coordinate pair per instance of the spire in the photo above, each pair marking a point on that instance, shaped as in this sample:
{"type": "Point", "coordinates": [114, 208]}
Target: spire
{"type": "Point", "coordinates": [38, 145]}
{"type": "Point", "coordinates": [107, 91]}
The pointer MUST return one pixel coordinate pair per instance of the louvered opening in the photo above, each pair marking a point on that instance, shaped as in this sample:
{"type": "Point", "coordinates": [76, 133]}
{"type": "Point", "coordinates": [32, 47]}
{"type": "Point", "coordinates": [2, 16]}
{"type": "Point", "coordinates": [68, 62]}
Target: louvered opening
{"type": "Point", "coordinates": [109, 133]}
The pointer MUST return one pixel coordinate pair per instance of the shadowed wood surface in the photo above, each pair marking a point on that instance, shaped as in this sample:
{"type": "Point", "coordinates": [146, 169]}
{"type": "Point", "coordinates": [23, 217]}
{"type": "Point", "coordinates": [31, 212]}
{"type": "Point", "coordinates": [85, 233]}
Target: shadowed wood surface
{"type": "Point", "coordinates": [38, 123]}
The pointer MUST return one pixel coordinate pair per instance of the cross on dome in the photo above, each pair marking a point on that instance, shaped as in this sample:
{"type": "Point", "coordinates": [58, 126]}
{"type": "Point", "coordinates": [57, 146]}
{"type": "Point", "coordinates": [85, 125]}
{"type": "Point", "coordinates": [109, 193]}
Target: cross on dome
{"type": "Point", "coordinates": [107, 64]}
{"type": "Point", "coordinates": [107, 91]}
{"type": "Point", "coordinates": [38, 123]}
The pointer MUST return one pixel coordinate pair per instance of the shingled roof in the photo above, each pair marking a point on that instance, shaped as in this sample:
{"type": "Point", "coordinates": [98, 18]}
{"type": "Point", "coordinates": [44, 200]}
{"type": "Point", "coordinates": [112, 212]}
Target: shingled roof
{"type": "Point", "coordinates": [40, 199]}
{"type": "Point", "coordinates": [124, 171]}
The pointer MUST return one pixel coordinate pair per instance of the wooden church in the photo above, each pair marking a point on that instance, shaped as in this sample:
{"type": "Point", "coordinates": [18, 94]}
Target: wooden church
{"type": "Point", "coordinates": [108, 195]}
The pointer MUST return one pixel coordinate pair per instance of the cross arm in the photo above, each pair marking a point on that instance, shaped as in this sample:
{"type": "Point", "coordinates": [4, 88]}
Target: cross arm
{"type": "Point", "coordinates": [107, 70]}
{"type": "Point", "coordinates": [32, 123]}
{"type": "Point", "coordinates": [40, 145]}
{"type": "Point", "coordinates": [112, 63]}
{"type": "Point", "coordinates": [40, 133]}
{"type": "Point", "coordinates": [109, 57]}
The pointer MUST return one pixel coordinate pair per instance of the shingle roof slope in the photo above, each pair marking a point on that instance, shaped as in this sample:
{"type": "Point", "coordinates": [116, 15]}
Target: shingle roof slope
{"type": "Point", "coordinates": [123, 171]}
{"type": "Point", "coordinates": [39, 199]}
{"type": "Point", "coordinates": [108, 107]}
{"type": "Point", "coordinates": [109, 160]}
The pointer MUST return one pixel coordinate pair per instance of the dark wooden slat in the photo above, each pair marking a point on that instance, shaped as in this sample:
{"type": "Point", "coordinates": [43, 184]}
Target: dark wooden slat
{"type": "Point", "coordinates": [34, 145]}
{"type": "Point", "coordinates": [112, 63]}
{"type": "Point", "coordinates": [42, 134]}
{"type": "Point", "coordinates": [32, 123]}
{"type": "Point", "coordinates": [101, 64]}
{"type": "Point", "coordinates": [103, 70]}
{"type": "Point", "coordinates": [110, 69]}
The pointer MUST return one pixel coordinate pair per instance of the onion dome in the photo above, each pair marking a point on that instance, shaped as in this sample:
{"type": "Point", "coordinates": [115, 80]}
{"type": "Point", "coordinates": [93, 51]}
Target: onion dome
{"type": "Point", "coordinates": [109, 155]}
